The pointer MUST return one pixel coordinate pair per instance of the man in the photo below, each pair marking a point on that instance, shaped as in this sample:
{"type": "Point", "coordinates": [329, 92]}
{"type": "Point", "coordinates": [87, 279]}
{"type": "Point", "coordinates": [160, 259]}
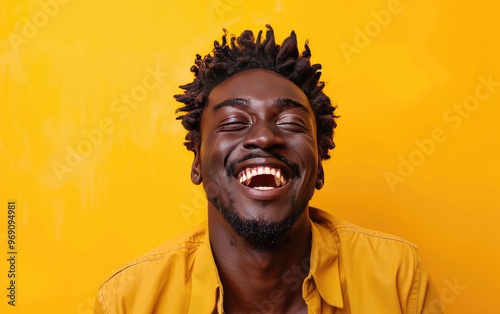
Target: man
{"type": "Point", "coordinates": [260, 127]}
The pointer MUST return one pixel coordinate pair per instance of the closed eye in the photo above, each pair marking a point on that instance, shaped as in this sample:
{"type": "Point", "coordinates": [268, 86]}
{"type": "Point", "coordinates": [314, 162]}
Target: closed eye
{"type": "Point", "coordinates": [291, 123]}
{"type": "Point", "coordinates": [229, 125]}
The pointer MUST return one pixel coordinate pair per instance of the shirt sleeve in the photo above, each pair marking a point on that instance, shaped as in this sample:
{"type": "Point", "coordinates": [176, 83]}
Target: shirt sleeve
{"type": "Point", "coordinates": [427, 300]}
{"type": "Point", "coordinates": [99, 307]}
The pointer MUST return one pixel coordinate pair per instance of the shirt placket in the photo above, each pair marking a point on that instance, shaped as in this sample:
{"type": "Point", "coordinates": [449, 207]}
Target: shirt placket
{"type": "Point", "coordinates": [311, 296]}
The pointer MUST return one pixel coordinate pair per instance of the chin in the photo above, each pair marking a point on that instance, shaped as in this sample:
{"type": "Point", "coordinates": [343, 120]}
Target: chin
{"type": "Point", "coordinates": [260, 233]}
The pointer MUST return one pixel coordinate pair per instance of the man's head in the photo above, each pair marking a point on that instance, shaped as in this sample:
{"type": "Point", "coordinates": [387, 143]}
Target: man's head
{"type": "Point", "coordinates": [259, 125]}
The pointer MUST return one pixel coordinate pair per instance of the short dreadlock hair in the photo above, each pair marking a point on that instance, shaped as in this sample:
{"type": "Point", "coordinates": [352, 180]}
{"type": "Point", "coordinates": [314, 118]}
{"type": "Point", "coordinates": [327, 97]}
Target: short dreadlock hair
{"type": "Point", "coordinates": [245, 53]}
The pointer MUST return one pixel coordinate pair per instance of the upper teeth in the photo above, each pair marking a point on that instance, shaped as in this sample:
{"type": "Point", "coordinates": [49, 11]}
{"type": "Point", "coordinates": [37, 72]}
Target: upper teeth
{"type": "Point", "coordinates": [246, 175]}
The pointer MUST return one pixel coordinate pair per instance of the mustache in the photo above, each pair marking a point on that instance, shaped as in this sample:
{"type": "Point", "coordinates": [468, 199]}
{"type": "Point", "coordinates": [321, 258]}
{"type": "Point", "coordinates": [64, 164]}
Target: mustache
{"type": "Point", "coordinates": [293, 166]}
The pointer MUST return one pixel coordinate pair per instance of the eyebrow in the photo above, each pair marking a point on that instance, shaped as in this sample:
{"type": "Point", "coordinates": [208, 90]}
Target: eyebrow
{"type": "Point", "coordinates": [232, 102]}
{"type": "Point", "coordinates": [283, 103]}
{"type": "Point", "coordinates": [289, 103]}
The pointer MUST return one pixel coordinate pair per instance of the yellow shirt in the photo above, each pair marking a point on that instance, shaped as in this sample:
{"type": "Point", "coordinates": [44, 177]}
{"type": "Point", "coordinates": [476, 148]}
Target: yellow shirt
{"type": "Point", "coordinates": [352, 270]}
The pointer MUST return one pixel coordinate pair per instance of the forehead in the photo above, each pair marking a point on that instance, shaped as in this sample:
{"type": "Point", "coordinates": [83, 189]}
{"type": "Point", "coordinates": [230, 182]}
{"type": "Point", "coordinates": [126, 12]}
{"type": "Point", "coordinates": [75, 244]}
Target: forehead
{"type": "Point", "coordinates": [258, 85]}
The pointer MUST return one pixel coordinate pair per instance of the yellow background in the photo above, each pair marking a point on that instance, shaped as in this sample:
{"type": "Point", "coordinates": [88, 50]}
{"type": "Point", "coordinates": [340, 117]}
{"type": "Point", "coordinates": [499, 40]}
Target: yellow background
{"type": "Point", "coordinates": [66, 73]}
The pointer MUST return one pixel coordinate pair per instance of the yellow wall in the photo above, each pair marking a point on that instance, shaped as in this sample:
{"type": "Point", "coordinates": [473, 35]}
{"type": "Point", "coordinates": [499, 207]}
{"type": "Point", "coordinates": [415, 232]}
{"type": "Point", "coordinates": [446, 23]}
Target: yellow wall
{"type": "Point", "coordinates": [417, 145]}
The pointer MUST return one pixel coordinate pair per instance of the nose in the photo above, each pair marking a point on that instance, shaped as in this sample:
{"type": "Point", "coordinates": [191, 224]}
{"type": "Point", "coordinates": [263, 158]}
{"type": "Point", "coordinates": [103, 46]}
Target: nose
{"type": "Point", "coordinates": [263, 135]}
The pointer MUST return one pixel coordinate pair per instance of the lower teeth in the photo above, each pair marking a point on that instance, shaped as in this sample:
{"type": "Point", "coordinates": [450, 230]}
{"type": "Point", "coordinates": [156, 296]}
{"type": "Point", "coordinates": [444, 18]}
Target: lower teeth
{"type": "Point", "coordinates": [263, 188]}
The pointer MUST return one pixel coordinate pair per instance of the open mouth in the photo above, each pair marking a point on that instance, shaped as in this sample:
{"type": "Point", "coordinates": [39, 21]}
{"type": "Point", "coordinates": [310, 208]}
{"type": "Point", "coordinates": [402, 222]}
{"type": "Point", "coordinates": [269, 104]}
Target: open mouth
{"type": "Point", "coordinates": [263, 178]}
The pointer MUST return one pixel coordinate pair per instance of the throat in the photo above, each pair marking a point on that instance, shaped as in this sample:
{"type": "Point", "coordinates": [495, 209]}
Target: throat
{"type": "Point", "coordinates": [275, 301]}
{"type": "Point", "coordinates": [265, 282]}
{"type": "Point", "coordinates": [264, 181]}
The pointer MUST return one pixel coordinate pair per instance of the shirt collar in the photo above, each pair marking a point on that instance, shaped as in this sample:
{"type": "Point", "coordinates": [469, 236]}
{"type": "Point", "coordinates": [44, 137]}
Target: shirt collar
{"type": "Point", "coordinates": [325, 259]}
{"type": "Point", "coordinates": [324, 268]}
{"type": "Point", "coordinates": [206, 287]}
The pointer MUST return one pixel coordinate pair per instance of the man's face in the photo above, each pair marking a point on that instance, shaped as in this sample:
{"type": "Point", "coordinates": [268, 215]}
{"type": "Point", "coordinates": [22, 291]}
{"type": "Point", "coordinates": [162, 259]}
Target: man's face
{"type": "Point", "coordinates": [258, 157]}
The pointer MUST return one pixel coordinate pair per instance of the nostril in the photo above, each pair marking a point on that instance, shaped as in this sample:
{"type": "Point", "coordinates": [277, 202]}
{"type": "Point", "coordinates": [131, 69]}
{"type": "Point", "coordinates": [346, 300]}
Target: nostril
{"type": "Point", "coordinates": [262, 137]}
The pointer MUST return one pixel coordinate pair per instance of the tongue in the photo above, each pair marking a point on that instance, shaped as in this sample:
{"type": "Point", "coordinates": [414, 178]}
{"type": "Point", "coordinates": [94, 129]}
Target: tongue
{"type": "Point", "coordinates": [263, 180]}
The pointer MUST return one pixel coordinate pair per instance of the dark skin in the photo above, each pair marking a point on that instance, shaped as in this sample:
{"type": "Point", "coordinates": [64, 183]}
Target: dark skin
{"type": "Point", "coordinates": [258, 119]}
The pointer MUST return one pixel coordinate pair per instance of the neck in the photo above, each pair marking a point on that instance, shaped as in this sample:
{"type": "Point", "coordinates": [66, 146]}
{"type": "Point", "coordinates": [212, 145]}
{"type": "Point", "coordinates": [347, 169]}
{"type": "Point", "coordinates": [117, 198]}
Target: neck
{"type": "Point", "coordinates": [261, 280]}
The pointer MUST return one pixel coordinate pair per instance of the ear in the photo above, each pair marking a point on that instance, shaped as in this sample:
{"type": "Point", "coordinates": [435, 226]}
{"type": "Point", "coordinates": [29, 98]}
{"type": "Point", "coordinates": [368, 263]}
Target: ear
{"type": "Point", "coordinates": [320, 180]}
{"type": "Point", "coordinates": [196, 177]}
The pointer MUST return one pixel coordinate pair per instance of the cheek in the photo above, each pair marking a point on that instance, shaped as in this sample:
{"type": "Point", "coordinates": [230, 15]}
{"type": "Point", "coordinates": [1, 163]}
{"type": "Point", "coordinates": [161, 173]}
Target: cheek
{"type": "Point", "coordinates": [213, 155]}
{"type": "Point", "coordinates": [213, 173]}
{"type": "Point", "coordinates": [216, 149]}
{"type": "Point", "coordinates": [306, 148]}
{"type": "Point", "coordinates": [309, 156]}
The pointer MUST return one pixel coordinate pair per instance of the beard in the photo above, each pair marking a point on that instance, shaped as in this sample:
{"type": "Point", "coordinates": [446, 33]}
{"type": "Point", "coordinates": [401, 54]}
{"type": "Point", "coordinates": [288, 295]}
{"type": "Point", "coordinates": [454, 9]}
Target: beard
{"type": "Point", "coordinates": [259, 234]}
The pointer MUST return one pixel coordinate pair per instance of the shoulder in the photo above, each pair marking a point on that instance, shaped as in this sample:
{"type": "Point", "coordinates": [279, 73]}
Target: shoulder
{"type": "Point", "coordinates": [355, 242]}
{"type": "Point", "coordinates": [159, 269]}
{"type": "Point", "coordinates": [174, 248]}
{"type": "Point", "coordinates": [382, 273]}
